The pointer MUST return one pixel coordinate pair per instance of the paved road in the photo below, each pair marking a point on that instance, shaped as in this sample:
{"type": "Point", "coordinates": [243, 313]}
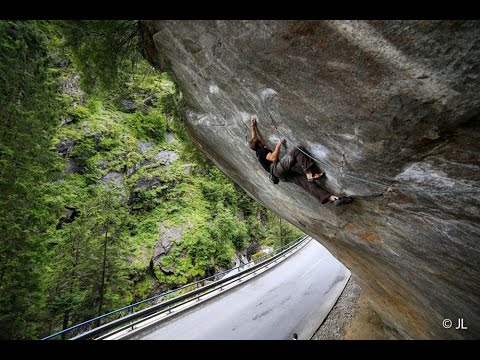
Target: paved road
{"type": "Point", "coordinates": [293, 297]}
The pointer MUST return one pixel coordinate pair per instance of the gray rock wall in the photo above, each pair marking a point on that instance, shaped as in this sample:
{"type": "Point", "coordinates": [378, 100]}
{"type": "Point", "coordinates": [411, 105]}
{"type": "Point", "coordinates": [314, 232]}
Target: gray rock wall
{"type": "Point", "coordinates": [390, 111]}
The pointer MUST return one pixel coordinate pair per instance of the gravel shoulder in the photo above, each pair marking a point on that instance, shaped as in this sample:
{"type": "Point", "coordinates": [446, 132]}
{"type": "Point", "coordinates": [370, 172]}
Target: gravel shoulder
{"type": "Point", "coordinates": [352, 318]}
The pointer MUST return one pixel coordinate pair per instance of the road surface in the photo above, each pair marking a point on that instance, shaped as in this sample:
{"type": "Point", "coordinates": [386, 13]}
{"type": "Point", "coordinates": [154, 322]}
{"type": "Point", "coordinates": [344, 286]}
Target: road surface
{"type": "Point", "coordinates": [293, 297]}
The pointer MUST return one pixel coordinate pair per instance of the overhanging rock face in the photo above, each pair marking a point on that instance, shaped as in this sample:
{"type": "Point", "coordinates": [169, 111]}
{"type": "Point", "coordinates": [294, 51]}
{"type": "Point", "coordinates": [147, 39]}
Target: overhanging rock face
{"type": "Point", "coordinates": [390, 109]}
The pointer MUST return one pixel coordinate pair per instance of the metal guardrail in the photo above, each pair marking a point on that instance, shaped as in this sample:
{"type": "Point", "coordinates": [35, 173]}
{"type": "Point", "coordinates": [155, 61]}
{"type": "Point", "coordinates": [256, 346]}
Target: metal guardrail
{"type": "Point", "coordinates": [132, 318]}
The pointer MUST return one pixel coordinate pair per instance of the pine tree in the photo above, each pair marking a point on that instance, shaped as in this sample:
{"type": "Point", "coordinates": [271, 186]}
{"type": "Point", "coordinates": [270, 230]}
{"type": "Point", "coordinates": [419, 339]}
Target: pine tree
{"type": "Point", "coordinates": [108, 222]}
{"type": "Point", "coordinates": [89, 273]}
{"type": "Point", "coordinates": [68, 271]}
{"type": "Point", "coordinates": [27, 122]}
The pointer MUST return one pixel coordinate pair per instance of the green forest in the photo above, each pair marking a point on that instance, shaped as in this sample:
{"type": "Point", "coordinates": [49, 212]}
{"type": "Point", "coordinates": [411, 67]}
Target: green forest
{"type": "Point", "coordinates": [104, 201]}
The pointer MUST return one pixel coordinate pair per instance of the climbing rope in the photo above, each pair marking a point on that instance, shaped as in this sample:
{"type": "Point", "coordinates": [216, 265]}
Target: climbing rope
{"type": "Point", "coordinates": [248, 131]}
{"type": "Point", "coordinates": [389, 187]}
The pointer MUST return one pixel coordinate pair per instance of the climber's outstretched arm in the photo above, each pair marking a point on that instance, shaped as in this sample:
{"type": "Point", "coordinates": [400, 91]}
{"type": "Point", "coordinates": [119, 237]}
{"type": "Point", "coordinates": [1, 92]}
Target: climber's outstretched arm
{"type": "Point", "coordinates": [254, 133]}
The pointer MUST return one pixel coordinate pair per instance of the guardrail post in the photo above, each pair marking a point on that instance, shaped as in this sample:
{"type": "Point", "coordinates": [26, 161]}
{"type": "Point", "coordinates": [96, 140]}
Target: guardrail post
{"type": "Point", "coordinates": [131, 311]}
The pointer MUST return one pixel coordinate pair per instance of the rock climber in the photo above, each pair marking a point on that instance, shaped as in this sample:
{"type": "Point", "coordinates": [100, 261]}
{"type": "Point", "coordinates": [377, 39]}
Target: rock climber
{"type": "Point", "coordinates": [282, 168]}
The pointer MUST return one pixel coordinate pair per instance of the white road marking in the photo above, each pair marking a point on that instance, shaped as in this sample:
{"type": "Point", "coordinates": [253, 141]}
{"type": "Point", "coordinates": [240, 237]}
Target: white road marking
{"type": "Point", "coordinates": [312, 267]}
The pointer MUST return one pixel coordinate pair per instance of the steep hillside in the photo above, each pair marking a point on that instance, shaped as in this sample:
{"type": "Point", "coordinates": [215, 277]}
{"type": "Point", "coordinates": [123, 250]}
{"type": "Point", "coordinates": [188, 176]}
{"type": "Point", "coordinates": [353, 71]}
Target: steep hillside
{"type": "Point", "coordinates": [144, 213]}
{"type": "Point", "coordinates": [104, 201]}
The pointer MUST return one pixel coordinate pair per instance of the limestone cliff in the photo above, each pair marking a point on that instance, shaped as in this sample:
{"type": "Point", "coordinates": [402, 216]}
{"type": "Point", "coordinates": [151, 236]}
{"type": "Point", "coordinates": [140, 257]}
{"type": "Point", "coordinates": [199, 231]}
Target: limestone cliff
{"type": "Point", "coordinates": [389, 109]}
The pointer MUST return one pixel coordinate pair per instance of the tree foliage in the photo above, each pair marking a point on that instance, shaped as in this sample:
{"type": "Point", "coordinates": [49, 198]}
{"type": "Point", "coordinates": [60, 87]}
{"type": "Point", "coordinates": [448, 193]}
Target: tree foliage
{"type": "Point", "coordinates": [88, 272]}
{"type": "Point", "coordinates": [27, 122]}
{"type": "Point", "coordinates": [228, 228]}
{"type": "Point", "coordinates": [87, 189]}
{"type": "Point", "coordinates": [104, 51]}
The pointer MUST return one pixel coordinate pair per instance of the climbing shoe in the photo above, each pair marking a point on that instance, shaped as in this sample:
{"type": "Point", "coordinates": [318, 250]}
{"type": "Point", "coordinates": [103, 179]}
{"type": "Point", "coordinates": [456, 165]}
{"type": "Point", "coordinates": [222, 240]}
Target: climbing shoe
{"type": "Point", "coordinates": [343, 200]}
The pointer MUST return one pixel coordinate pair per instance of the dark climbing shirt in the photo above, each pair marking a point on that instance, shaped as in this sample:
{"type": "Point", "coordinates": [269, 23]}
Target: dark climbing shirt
{"type": "Point", "coordinates": [262, 157]}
